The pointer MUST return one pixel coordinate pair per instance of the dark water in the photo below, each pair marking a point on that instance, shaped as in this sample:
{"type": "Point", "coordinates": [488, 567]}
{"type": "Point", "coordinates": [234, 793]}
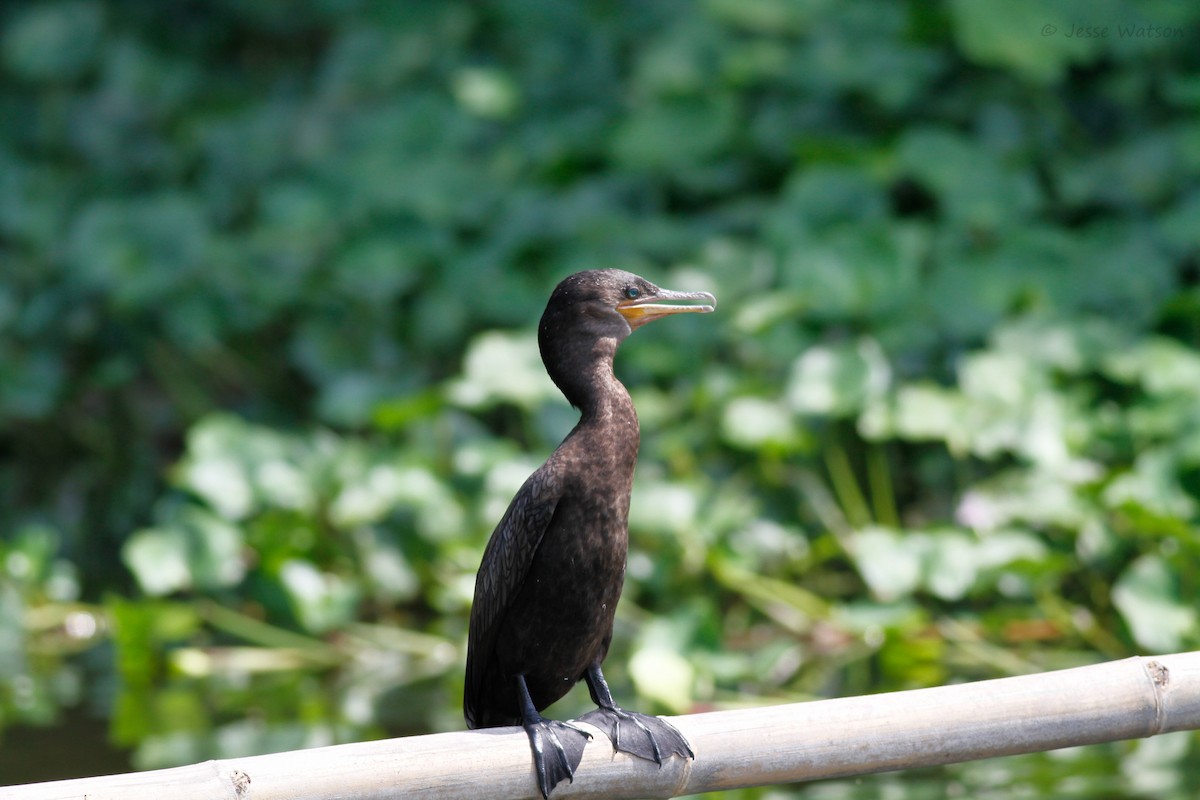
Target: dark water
{"type": "Point", "coordinates": [76, 746]}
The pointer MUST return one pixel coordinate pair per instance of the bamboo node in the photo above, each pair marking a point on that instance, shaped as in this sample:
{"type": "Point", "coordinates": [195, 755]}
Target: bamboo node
{"type": "Point", "coordinates": [241, 782]}
{"type": "Point", "coordinates": [1159, 673]}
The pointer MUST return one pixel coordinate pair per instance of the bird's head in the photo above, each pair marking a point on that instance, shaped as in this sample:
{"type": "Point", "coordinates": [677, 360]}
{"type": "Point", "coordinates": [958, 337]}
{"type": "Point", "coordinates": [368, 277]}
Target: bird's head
{"type": "Point", "coordinates": [612, 302]}
{"type": "Point", "coordinates": [593, 307]}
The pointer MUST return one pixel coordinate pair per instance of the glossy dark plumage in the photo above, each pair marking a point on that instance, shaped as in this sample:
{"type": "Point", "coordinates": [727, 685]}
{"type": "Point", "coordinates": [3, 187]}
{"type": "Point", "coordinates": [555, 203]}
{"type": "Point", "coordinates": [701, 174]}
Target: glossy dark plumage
{"type": "Point", "coordinates": [551, 575]}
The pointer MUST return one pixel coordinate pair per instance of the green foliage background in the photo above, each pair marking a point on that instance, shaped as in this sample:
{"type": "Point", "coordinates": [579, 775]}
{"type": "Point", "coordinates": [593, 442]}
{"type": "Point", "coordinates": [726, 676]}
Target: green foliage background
{"type": "Point", "coordinates": [269, 274]}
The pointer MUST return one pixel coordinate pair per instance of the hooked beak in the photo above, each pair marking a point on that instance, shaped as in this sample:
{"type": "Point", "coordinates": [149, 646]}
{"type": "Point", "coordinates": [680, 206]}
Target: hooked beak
{"type": "Point", "coordinates": [639, 311]}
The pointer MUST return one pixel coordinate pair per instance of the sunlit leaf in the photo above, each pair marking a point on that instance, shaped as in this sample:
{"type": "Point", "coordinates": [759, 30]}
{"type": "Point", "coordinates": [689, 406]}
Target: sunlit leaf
{"type": "Point", "coordinates": [751, 423]}
{"type": "Point", "coordinates": [890, 561]}
{"type": "Point", "coordinates": [1147, 595]}
{"type": "Point", "coordinates": [838, 379]}
{"type": "Point", "coordinates": [664, 508]}
{"type": "Point", "coordinates": [197, 550]}
{"type": "Point", "coordinates": [1162, 366]}
{"type": "Point", "coordinates": [320, 600]}
{"type": "Point", "coordinates": [1153, 483]}
{"type": "Point", "coordinates": [953, 564]}
{"type": "Point", "coordinates": [502, 367]}
{"type": "Point", "coordinates": [487, 92]}
{"type": "Point", "coordinates": [1035, 39]}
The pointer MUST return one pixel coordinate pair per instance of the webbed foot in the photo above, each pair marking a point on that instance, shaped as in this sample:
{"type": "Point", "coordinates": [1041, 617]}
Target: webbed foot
{"type": "Point", "coordinates": [641, 735]}
{"type": "Point", "coordinates": [557, 750]}
{"type": "Point", "coordinates": [557, 746]}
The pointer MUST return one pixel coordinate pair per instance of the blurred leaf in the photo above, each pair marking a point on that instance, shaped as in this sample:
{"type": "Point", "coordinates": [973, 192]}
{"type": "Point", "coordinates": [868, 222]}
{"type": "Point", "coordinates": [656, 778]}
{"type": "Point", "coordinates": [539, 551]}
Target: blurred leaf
{"type": "Point", "coordinates": [54, 41]}
{"type": "Point", "coordinates": [890, 562]}
{"type": "Point", "coordinates": [198, 551]}
{"type": "Point", "coordinates": [839, 379]}
{"type": "Point", "coordinates": [664, 508]}
{"type": "Point", "coordinates": [659, 671]}
{"type": "Point", "coordinates": [1181, 226]}
{"type": "Point", "coordinates": [159, 560]}
{"type": "Point", "coordinates": [384, 563]}
{"type": "Point", "coordinates": [139, 252]}
{"type": "Point", "coordinates": [1035, 39]}
{"type": "Point", "coordinates": [822, 196]}
{"type": "Point", "coordinates": [754, 423]}
{"type": "Point", "coordinates": [1033, 497]}
{"type": "Point", "coordinates": [947, 563]}
{"type": "Point", "coordinates": [320, 600]}
{"type": "Point", "coordinates": [30, 383]}
{"type": "Point", "coordinates": [1162, 366]}
{"type": "Point", "coordinates": [677, 134]}
{"type": "Point", "coordinates": [1152, 484]}
{"type": "Point", "coordinates": [973, 187]}
{"type": "Point", "coordinates": [764, 16]}
{"type": "Point", "coordinates": [851, 271]}
{"type": "Point", "coordinates": [1147, 595]}
{"type": "Point", "coordinates": [502, 367]}
{"type": "Point", "coordinates": [486, 92]}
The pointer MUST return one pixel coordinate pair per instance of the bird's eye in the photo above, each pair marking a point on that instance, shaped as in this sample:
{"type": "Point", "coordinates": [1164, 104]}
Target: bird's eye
{"type": "Point", "coordinates": [632, 292]}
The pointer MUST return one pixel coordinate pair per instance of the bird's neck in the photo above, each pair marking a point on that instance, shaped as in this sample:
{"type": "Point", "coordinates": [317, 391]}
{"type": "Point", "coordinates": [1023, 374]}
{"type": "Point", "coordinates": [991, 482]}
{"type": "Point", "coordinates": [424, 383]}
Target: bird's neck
{"type": "Point", "coordinates": [607, 437]}
{"type": "Point", "coordinates": [606, 402]}
{"type": "Point", "coordinates": [591, 386]}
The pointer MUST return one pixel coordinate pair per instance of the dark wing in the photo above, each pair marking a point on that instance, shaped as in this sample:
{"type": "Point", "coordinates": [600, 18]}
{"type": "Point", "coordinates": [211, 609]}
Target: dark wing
{"type": "Point", "coordinates": [506, 561]}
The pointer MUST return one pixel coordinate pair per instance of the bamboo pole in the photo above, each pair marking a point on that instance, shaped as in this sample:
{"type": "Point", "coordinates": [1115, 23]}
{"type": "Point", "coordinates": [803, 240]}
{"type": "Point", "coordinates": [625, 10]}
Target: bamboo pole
{"type": "Point", "coordinates": [1132, 698]}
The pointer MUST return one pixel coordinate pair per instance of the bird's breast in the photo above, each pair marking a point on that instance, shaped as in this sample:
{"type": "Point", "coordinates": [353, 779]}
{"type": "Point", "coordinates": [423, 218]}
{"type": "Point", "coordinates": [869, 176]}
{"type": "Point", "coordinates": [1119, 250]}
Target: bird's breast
{"type": "Point", "coordinates": [586, 539]}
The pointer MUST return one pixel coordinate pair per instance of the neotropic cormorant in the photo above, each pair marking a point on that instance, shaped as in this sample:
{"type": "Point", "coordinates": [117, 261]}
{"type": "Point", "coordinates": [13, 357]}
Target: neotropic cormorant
{"type": "Point", "coordinates": [552, 572]}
